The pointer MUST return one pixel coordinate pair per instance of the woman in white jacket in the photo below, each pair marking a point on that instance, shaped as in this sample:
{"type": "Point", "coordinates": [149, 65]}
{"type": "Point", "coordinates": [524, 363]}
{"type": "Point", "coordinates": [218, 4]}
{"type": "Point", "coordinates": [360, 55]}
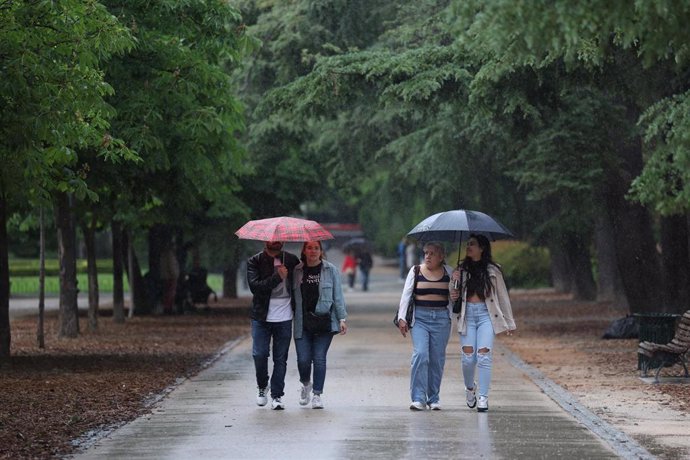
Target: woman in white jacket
{"type": "Point", "coordinates": [430, 328]}
{"type": "Point", "coordinates": [485, 311]}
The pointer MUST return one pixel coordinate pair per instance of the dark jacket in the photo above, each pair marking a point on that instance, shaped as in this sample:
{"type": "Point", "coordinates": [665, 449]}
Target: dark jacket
{"type": "Point", "coordinates": [262, 279]}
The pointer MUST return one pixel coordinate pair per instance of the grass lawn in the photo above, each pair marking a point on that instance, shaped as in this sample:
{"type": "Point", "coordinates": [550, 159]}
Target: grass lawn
{"type": "Point", "coordinates": [28, 285]}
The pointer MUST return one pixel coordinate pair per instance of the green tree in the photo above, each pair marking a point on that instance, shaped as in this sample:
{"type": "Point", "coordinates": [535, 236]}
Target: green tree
{"type": "Point", "coordinates": [176, 107]}
{"type": "Point", "coordinates": [52, 94]}
{"type": "Point", "coordinates": [638, 56]}
{"type": "Point", "coordinates": [293, 34]}
{"type": "Point", "coordinates": [392, 121]}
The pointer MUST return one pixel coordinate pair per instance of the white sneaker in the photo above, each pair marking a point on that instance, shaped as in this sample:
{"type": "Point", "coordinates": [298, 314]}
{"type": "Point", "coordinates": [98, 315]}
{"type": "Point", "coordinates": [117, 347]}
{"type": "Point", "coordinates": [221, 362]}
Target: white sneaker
{"type": "Point", "coordinates": [471, 397]}
{"type": "Point", "coordinates": [416, 405]}
{"type": "Point", "coordinates": [277, 404]}
{"type": "Point", "coordinates": [435, 406]}
{"type": "Point", "coordinates": [316, 402]}
{"type": "Point", "coordinates": [482, 404]}
{"type": "Point", "coordinates": [304, 394]}
{"type": "Point", "coordinates": [261, 398]}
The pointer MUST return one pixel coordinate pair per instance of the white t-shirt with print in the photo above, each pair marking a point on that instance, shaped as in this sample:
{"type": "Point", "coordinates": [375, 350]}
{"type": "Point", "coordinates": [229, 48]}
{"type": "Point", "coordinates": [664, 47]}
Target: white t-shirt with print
{"type": "Point", "coordinates": [279, 307]}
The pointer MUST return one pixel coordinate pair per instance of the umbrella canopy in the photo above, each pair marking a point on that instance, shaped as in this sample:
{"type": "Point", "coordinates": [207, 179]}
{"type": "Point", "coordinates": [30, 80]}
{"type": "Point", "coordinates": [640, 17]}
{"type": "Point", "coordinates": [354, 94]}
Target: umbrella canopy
{"type": "Point", "coordinates": [457, 225]}
{"type": "Point", "coordinates": [283, 229]}
{"type": "Point", "coordinates": [357, 245]}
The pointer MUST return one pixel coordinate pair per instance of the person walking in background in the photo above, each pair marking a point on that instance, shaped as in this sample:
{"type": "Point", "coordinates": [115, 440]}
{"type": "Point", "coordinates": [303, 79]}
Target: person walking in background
{"type": "Point", "coordinates": [430, 328]}
{"type": "Point", "coordinates": [484, 311]}
{"type": "Point", "coordinates": [269, 274]}
{"type": "Point", "coordinates": [349, 268]}
{"type": "Point", "coordinates": [402, 258]}
{"type": "Point", "coordinates": [411, 255]}
{"type": "Point", "coordinates": [319, 314]}
{"type": "Point", "coordinates": [365, 264]}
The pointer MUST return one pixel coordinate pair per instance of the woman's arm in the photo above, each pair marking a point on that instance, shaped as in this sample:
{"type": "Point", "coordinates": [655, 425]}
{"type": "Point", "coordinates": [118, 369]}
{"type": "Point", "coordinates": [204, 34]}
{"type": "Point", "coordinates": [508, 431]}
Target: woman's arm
{"type": "Point", "coordinates": [339, 301]}
{"type": "Point", "coordinates": [504, 301]}
{"type": "Point", "coordinates": [404, 302]}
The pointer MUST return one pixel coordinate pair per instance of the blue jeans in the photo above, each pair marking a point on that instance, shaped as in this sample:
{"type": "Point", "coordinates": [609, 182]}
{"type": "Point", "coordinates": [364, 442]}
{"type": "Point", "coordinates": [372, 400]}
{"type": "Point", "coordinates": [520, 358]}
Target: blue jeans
{"type": "Point", "coordinates": [312, 348]}
{"type": "Point", "coordinates": [281, 333]}
{"type": "Point", "coordinates": [365, 279]}
{"type": "Point", "coordinates": [429, 339]}
{"type": "Point", "coordinates": [480, 335]}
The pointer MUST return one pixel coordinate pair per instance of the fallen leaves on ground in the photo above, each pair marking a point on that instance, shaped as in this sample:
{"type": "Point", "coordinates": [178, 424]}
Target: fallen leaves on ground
{"type": "Point", "coordinates": [103, 378]}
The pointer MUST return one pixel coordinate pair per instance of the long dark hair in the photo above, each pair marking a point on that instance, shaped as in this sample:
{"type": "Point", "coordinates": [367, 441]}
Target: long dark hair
{"type": "Point", "coordinates": [481, 267]}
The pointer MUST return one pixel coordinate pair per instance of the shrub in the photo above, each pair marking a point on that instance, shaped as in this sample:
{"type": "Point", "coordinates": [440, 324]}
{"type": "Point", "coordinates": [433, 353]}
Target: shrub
{"type": "Point", "coordinates": [523, 266]}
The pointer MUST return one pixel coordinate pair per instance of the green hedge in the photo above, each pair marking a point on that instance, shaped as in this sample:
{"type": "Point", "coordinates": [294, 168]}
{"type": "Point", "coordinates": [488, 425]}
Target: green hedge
{"type": "Point", "coordinates": [523, 266]}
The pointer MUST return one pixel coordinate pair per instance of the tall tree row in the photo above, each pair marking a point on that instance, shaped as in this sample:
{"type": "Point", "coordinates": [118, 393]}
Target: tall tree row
{"type": "Point", "coordinates": [567, 132]}
{"type": "Point", "coordinates": [122, 115]}
{"type": "Point", "coordinates": [53, 103]}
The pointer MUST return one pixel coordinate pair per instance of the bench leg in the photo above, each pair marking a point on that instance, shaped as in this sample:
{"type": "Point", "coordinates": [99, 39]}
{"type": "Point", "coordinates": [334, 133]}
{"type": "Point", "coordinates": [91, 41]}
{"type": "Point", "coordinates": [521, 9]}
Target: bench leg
{"type": "Point", "coordinates": [644, 367]}
{"type": "Point", "coordinates": [656, 376]}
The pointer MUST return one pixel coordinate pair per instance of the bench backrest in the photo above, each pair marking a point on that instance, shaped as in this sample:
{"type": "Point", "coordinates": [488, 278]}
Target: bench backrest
{"type": "Point", "coordinates": [682, 335]}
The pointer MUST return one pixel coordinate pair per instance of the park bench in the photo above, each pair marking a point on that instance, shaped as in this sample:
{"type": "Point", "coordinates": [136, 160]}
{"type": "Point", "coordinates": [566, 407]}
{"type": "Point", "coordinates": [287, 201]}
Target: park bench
{"type": "Point", "coordinates": [666, 355]}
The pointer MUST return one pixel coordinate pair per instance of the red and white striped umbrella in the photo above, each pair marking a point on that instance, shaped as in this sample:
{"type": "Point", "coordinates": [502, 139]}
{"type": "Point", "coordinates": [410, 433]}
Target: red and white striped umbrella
{"type": "Point", "coordinates": [283, 229]}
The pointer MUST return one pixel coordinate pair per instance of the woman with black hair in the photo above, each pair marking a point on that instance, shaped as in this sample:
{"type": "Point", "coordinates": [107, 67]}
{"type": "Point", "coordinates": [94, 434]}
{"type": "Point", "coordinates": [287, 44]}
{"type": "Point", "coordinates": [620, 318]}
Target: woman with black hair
{"type": "Point", "coordinates": [485, 311]}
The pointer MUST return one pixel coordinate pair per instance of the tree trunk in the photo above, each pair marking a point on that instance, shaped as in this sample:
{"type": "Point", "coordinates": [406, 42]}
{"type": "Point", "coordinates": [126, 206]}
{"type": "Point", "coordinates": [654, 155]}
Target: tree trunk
{"type": "Point", "coordinates": [5, 336]}
{"type": "Point", "coordinates": [40, 330]}
{"type": "Point", "coordinates": [118, 287]}
{"type": "Point", "coordinates": [609, 284]}
{"type": "Point", "coordinates": [560, 267]}
{"type": "Point", "coordinates": [230, 282]}
{"type": "Point", "coordinates": [636, 255]}
{"type": "Point", "coordinates": [158, 236]}
{"type": "Point", "coordinates": [675, 263]}
{"type": "Point", "coordinates": [578, 253]}
{"type": "Point", "coordinates": [89, 231]}
{"type": "Point", "coordinates": [230, 273]}
{"type": "Point", "coordinates": [139, 296]}
{"type": "Point", "coordinates": [69, 310]}
{"type": "Point", "coordinates": [131, 267]}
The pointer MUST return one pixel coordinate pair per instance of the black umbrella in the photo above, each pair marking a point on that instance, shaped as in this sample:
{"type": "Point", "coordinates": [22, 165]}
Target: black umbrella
{"type": "Point", "coordinates": [457, 226]}
{"type": "Point", "coordinates": [357, 245]}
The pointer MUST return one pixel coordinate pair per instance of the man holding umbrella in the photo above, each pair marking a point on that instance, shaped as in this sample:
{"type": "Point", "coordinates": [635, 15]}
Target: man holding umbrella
{"type": "Point", "coordinates": [269, 274]}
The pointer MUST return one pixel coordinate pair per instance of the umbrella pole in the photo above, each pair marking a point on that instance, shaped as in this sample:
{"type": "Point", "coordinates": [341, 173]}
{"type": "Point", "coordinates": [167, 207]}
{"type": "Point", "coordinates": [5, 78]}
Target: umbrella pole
{"type": "Point", "coordinates": [459, 249]}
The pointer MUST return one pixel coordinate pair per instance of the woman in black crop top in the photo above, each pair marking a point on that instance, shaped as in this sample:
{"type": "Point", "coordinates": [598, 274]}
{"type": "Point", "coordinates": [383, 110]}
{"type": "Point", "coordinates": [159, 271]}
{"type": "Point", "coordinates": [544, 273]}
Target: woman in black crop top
{"type": "Point", "coordinates": [431, 323]}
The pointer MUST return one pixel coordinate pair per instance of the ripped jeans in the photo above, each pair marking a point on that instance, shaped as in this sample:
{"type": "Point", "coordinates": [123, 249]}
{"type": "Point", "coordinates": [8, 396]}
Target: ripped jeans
{"type": "Point", "coordinates": [480, 335]}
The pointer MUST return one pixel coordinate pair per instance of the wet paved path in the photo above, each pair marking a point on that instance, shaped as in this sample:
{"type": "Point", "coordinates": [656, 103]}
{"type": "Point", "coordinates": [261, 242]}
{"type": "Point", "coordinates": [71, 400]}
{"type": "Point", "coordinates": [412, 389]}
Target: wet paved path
{"type": "Point", "coordinates": [213, 415]}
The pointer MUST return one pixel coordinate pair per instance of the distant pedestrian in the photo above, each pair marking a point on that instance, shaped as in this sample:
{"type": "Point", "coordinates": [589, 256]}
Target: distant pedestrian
{"type": "Point", "coordinates": [484, 311]}
{"type": "Point", "coordinates": [430, 328]}
{"type": "Point", "coordinates": [402, 258]}
{"type": "Point", "coordinates": [411, 255]}
{"type": "Point", "coordinates": [319, 314]}
{"type": "Point", "coordinates": [349, 268]}
{"type": "Point", "coordinates": [269, 274]}
{"type": "Point", "coordinates": [365, 264]}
